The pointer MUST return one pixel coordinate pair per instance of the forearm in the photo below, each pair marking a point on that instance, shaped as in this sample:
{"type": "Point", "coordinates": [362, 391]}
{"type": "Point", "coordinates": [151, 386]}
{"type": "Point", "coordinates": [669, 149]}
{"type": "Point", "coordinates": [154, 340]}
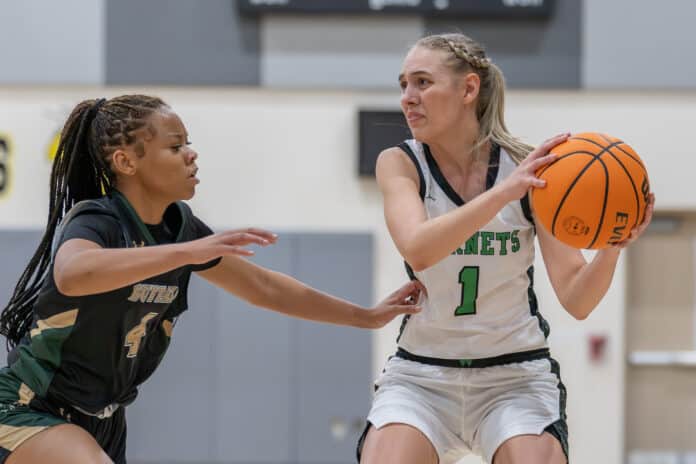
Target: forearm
{"type": "Point", "coordinates": [590, 283]}
{"type": "Point", "coordinates": [289, 296]}
{"type": "Point", "coordinates": [101, 270]}
{"type": "Point", "coordinates": [436, 238]}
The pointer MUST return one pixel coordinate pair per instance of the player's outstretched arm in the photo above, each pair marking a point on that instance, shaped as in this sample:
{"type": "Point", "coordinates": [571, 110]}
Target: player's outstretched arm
{"type": "Point", "coordinates": [83, 267]}
{"type": "Point", "coordinates": [279, 292]}
{"type": "Point", "coordinates": [578, 284]}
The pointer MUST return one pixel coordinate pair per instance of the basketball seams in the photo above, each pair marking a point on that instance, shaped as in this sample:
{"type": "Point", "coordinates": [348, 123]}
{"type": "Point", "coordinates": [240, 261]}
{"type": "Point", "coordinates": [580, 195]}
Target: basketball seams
{"type": "Point", "coordinates": [594, 142]}
{"type": "Point", "coordinates": [608, 139]}
{"type": "Point", "coordinates": [562, 204]}
{"type": "Point", "coordinates": [579, 152]}
{"type": "Point", "coordinates": [575, 181]}
{"type": "Point", "coordinates": [604, 204]}
{"type": "Point", "coordinates": [634, 158]}
{"type": "Point", "coordinates": [567, 192]}
{"type": "Point", "coordinates": [637, 160]}
{"type": "Point", "coordinates": [616, 144]}
{"type": "Point", "coordinates": [633, 184]}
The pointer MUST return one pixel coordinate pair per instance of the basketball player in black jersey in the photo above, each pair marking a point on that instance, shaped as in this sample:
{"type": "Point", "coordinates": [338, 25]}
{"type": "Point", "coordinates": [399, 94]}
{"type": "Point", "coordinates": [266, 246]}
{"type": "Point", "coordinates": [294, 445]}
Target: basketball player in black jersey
{"type": "Point", "coordinates": [92, 314]}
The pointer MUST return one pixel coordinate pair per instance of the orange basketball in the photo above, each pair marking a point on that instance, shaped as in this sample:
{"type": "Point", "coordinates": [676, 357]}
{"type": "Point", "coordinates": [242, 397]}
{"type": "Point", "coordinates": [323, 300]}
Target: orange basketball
{"type": "Point", "coordinates": [596, 191]}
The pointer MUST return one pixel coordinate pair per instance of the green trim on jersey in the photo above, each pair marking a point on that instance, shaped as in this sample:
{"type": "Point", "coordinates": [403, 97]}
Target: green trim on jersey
{"type": "Point", "coordinates": [142, 228]}
{"type": "Point", "coordinates": [37, 362]}
{"type": "Point", "coordinates": [534, 305]}
{"type": "Point", "coordinates": [559, 429]}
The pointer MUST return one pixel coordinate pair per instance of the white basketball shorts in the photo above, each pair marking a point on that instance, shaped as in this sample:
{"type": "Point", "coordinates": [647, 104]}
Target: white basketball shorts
{"type": "Point", "coordinates": [471, 410]}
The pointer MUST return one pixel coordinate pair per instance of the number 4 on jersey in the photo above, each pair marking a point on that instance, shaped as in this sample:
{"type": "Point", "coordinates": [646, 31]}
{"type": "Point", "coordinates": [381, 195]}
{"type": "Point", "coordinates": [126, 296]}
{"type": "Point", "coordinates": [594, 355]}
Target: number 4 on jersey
{"type": "Point", "coordinates": [135, 335]}
{"type": "Point", "coordinates": [468, 278]}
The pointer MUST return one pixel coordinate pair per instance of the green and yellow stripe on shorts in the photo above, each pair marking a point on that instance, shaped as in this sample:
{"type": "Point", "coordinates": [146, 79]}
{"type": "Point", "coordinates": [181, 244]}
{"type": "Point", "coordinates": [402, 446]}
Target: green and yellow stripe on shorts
{"type": "Point", "coordinates": [18, 421]}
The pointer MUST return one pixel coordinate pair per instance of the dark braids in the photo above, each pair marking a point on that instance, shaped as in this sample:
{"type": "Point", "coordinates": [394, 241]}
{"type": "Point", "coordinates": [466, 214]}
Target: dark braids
{"type": "Point", "coordinates": [81, 170]}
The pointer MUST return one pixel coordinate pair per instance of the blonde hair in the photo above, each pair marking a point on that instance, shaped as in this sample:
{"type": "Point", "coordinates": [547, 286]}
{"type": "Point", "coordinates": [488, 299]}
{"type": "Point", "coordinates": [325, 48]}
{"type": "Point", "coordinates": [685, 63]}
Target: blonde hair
{"type": "Point", "coordinates": [465, 55]}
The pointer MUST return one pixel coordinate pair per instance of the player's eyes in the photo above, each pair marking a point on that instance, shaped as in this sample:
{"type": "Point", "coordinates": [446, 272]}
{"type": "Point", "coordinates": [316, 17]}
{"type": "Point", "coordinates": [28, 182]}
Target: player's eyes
{"type": "Point", "coordinates": [178, 147]}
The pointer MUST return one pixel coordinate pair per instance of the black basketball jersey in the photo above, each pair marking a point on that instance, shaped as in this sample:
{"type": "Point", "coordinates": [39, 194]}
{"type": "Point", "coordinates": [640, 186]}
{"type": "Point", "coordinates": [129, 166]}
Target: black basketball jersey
{"type": "Point", "coordinates": [92, 351]}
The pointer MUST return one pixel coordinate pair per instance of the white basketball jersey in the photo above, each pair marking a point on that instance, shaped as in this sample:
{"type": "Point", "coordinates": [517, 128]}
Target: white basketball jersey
{"type": "Point", "coordinates": [480, 301]}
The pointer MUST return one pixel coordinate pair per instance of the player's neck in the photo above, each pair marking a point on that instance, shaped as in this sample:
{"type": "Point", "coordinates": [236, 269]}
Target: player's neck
{"type": "Point", "coordinates": [457, 146]}
{"type": "Point", "coordinates": [149, 209]}
{"type": "Point", "coordinates": [459, 152]}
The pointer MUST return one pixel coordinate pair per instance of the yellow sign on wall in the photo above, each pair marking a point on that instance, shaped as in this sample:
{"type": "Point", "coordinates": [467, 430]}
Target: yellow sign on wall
{"type": "Point", "coordinates": [53, 146]}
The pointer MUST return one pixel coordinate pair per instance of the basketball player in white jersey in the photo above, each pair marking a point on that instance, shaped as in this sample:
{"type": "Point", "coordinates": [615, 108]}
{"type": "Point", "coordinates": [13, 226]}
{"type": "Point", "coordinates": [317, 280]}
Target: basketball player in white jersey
{"type": "Point", "coordinates": [473, 371]}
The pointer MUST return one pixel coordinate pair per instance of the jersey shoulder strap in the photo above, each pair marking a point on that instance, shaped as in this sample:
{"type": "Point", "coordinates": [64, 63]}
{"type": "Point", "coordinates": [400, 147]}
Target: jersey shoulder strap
{"type": "Point", "coordinates": [406, 148]}
{"type": "Point", "coordinates": [187, 228]}
{"type": "Point", "coordinates": [96, 206]}
{"type": "Point", "coordinates": [185, 209]}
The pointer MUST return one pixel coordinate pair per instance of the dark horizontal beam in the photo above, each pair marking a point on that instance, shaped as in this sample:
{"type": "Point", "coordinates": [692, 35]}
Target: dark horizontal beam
{"type": "Point", "coordinates": [520, 9]}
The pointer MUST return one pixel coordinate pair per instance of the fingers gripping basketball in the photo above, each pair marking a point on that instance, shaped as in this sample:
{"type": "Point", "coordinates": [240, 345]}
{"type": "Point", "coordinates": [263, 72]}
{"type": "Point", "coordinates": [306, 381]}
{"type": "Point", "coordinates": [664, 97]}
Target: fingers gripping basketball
{"type": "Point", "coordinates": [596, 191]}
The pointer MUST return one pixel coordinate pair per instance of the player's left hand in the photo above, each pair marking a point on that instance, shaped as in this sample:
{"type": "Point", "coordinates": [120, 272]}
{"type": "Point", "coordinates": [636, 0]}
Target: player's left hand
{"type": "Point", "coordinates": [640, 228]}
{"type": "Point", "coordinates": [402, 301]}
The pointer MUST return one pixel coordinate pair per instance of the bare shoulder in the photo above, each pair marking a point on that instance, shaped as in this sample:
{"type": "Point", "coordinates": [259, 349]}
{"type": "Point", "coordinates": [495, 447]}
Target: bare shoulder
{"type": "Point", "coordinates": [394, 162]}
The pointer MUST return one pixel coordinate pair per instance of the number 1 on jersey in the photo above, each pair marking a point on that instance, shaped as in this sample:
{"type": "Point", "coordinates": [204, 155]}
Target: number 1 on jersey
{"type": "Point", "coordinates": [468, 278]}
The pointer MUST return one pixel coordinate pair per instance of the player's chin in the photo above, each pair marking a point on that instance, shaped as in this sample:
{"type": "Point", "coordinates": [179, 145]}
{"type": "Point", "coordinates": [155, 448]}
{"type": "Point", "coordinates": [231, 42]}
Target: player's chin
{"type": "Point", "coordinates": [188, 193]}
{"type": "Point", "coordinates": [422, 133]}
{"type": "Point", "coordinates": [418, 132]}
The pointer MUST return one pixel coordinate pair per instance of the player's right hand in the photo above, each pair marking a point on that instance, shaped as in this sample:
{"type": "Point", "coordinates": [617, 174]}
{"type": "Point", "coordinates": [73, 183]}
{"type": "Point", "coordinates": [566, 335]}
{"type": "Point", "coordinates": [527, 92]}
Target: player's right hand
{"type": "Point", "coordinates": [404, 300]}
{"type": "Point", "coordinates": [524, 176]}
{"type": "Point", "coordinates": [229, 243]}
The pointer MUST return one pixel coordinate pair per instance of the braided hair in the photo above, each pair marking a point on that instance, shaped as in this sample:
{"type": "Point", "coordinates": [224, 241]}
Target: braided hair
{"type": "Point", "coordinates": [81, 170]}
{"type": "Point", "coordinates": [465, 55]}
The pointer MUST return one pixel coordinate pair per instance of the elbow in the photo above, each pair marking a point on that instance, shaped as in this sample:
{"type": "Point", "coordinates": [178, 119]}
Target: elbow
{"type": "Point", "coordinates": [417, 266]}
{"type": "Point", "coordinates": [66, 284]}
{"type": "Point", "coordinates": [416, 260]}
{"type": "Point", "coordinates": [578, 311]}
{"type": "Point", "coordinates": [72, 282]}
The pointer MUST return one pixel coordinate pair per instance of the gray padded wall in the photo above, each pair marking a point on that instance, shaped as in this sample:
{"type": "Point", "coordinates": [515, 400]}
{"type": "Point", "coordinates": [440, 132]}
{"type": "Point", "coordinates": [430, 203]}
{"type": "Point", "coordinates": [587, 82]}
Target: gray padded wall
{"type": "Point", "coordinates": [246, 385]}
{"type": "Point", "coordinates": [52, 42]}
{"type": "Point", "coordinates": [254, 366]}
{"type": "Point", "coordinates": [172, 418]}
{"type": "Point", "coordinates": [334, 52]}
{"type": "Point", "coordinates": [16, 249]}
{"type": "Point", "coordinates": [333, 372]}
{"type": "Point", "coordinates": [531, 53]}
{"type": "Point", "coordinates": [180, 42]}
{"type": "Point", "coordinates": [633, 44]}
{"type": "Point", "coordinates": [213, 399]}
